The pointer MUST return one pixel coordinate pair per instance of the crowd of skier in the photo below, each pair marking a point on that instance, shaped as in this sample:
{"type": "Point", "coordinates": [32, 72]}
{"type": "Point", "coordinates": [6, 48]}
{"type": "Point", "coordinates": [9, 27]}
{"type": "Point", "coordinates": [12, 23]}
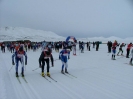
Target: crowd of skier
{"type": "Point", "coordinates": [19, 49]}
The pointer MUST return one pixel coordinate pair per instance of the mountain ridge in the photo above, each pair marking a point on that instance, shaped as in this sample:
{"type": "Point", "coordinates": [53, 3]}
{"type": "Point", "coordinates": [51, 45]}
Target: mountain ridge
{"type": "Point", "coordinates": [22, 33]}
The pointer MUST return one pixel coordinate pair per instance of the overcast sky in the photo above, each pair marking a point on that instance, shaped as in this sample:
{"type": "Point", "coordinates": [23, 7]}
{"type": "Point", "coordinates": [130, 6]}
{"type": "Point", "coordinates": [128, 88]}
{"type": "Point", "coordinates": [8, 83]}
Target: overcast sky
{"type": "Point", "coordinates": [79, 18]}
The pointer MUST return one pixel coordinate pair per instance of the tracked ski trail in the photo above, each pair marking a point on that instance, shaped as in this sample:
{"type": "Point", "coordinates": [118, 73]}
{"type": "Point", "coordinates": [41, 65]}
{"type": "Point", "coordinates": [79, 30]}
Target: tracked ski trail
{"type": "Point", "coordinates": [9, 89]}
{"type": "Point", "coordinates": [100, 76]}
{"type": "Point", "coordinates": [110, 94]}
{"type": "Point", "coordinates": [111, 79]}
{"type": "Point", "coordinates": [2, 82]}
{"type": "Point", "coordinates": [101, 79]}
{"type": "Point", "coordinates": [67, 91]}
{"type": "Point", "coordinates": [26, 88]}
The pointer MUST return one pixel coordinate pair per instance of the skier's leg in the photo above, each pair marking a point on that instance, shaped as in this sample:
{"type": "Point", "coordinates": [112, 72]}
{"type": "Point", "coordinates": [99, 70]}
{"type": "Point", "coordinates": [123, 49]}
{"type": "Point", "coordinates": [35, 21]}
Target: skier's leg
{"type": "Point", "coordinates": [121, 52]}
{"type": "Point", "coordinates": [17, 64]}
{"type": "Point", "coordinates": [62, 69]}
{"type": "Point", "coordinates": [114, 53]}
{"type": "Point", "coordinates": [43, 64]}
{"type": "Point", "coordinates": [131, 61]}
{"type": "Point", "coordinates": [66, 66]}
{"type": "Point", "coordinates": [22, 67]}
{"type": "Point", "coordinates": [47, 62]}
{"type": "Point", "coordinates": [118, 52]}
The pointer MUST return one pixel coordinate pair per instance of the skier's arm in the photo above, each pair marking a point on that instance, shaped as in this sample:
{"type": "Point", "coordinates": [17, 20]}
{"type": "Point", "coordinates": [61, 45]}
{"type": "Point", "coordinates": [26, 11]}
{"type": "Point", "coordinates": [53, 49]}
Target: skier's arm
{"type": "Point", "coordinates": [13, 57]}
{"type": "Point", "coordinates": [60, 55]}
{"type": "Point", "coordinates": [41, 58]}
{"type": "Point", "coordinates": [25, 58]}
{"type": "Point", "coordinates": [52, 60]}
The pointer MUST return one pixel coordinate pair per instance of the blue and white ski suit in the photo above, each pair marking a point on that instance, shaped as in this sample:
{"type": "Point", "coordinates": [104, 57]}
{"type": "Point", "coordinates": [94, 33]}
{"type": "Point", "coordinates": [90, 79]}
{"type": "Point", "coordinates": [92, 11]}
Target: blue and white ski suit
{"type": "Point", "coordinates": [64, 56]}
{"type": "Point", "coordinates": [19, 57]}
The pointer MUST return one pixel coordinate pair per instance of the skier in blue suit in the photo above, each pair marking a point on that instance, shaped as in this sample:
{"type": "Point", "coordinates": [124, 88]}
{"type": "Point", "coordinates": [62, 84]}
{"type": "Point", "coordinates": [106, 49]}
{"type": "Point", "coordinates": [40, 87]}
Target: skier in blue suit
{"type": "Point", "coordinates": [64, 56]}
{"type": "Point", "coordinates": [19, 57]}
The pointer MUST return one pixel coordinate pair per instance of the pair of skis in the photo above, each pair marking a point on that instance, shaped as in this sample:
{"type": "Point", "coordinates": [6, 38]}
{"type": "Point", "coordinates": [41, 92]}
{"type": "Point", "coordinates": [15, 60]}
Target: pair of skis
{"type": "Point", "coordinates": [66, 74]}
{"type": "Point", "coordinates": [49, 77]}
{"type": "Point", "coordinates": [69, 75]}
{"type": "Point", "coordinates": [23, 79]}
{"type": "Point", "coordinates": [129, 64]}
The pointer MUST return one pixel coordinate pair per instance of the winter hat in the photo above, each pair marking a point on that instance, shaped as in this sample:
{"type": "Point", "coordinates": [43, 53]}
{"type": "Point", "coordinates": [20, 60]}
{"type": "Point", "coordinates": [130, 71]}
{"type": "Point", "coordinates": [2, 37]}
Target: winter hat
{"type": "Point", "coordinates": [21, 49]}
{"type": "Point", "coordinates": [47, 52]}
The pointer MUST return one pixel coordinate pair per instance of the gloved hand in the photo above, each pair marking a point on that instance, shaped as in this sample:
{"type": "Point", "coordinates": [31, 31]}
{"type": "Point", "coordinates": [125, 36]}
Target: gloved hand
{"type": "Point", "coordinates": [62, 59]}
{"type": "Point", "coordinates": [13, 63]}
{"type": "Point", "coordinates": [25, 62]}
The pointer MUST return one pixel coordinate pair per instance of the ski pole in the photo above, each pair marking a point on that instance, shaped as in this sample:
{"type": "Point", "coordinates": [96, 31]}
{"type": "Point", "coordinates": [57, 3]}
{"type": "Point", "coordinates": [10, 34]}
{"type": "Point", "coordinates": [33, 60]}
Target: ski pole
{"type": "Point", "coordinates": [10, 68]}
{"type": "Point", "coordinates": [25, 67]}
{"type": "Point", "coordinates": [56, 59]}
{"type": "Point", "coordinates": [35, 69]}
{"type": "Point", "coordinates": [120, 57]}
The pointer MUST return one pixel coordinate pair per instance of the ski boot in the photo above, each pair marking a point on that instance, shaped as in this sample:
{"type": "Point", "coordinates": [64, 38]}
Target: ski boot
{"type": "Point", "coordinates": [43, 74]}
{"type": "Point", "coordinates": [62, 71]}
{"type": "Point", "coordinates": [22, 74]}
{"type": "Point", "coordinates": [66, 70]}
{"type": "Point", "coordinates": [127, 57]}
{"type": "Point", "coordinates": [17, 74]}
{"type": "Point", "coordinates": [48, 74]}
{"type": "Point", "coordinates": [112, 57]}
{"type": "Point", "coordinates": [130, 62]}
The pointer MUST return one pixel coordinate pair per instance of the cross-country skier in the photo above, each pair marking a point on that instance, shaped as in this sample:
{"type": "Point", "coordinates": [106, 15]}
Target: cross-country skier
{"type": "Point", "coordinates": [109, 44]}
{"type": "Point", "coordinates": [44, 57]}
{"type": "Point", "coordinates": [19, 57]}
{"type": "Point", "coordinates": [88, 45]}
{"type": "Point", "coordinates": [120, 49]}
{"type": "Point", "coordinates": [3, 47]}
{"type": "Point", "coordinates": [115, 44]}
{"type": "Point", "coordinates": [74, 47]}
{"type": "Point", "coordinates": [128, 49]}
{"type": "Point", "coordinates": [131, 57]}
{"type": "Point", "coordinates": [82, 47]}
{"type": "Point", "coordinates": [97, 45]}
{"type": "Point", "coordinates": [64, 56]}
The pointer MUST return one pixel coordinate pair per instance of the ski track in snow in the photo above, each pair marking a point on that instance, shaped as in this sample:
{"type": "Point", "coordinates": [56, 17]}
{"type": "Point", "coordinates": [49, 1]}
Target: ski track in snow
{"type": "Point", "coordinates": [27, 94]}
{"type": "Point", "coordinates": [103, 80]}
{"type": "Point", "coordinates": [2, 82]}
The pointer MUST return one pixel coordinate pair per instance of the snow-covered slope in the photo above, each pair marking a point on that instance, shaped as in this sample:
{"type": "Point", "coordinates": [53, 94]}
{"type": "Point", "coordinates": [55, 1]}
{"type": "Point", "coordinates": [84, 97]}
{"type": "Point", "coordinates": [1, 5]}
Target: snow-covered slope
{"type": "Point", "coordinates": [112, 38]}
{"type": "Point", "coordinates": [20, 33]}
